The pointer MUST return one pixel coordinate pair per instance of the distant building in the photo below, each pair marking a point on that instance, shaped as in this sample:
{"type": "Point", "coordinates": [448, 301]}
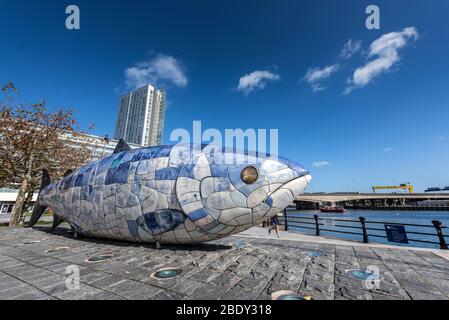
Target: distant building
{"type": "Point", "coordinates": [140, 119]}
{"type": "Point", "coordinates": [99, 146]}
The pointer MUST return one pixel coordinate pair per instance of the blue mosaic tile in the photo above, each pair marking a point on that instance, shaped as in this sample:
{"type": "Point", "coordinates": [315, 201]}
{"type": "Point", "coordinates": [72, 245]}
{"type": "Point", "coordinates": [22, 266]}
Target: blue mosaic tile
{"type": "Point", "coordinates": [86, 193]}
{"type": "Point", "coordinates": [161, 221]}
{"type": "Point", "coordinates": [103, 165]}
{"type": "Point", "coordinates": [235, 175]}
{"type": "Point", "coordinates": [87, 176]}
{"type": "Point", "coordinates": [137, 156]}
{"type": "Point", "coordinates": [186, 170]}
{"type": "Point", "coordinates": [169, 173]}
{"type": "Point", "coordinates": [197, 215]}
{"type": "Point", "coordinates": [78, 180]}
{"type": "Point", "coordinates": [163, 152]}
{"type": "Point", "coordinates": [133, 201]}
{"type": "Point", "coordinates": [221, 185]}
{"type": "Point", "coordinates": [297, 168]}
{"type": "Point", "coordinates": [219, 170]}
{"type": "Point", "coordinates": [147, 153]}
{"type": "Point", "coordinates": [269, 201]}
{"type": "Point", "coordinates": [118, 160]}
{"type": "Point", "coordinates": [133, 228]}
{"type": "Point", "coordinates": [210, 226]}
{"type": "Point", "coordinates": [75, 195]}
{"type": "Point", "coordinates": [121, 176]}
{"type": "Point", "coordinates": [110, 175]}
{"type": "Point", "coordinates": [143, 167]}
{"type": "Point", "coordinates": [135, 187]}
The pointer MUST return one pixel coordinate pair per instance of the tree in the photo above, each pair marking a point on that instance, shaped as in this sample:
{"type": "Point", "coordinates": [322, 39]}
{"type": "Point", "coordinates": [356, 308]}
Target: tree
{"type": "Point", "coordinates": [33, 139]}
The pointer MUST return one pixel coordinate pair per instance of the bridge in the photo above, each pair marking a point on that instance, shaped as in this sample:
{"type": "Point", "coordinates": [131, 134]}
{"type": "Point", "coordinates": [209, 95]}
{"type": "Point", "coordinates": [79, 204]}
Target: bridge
{"type": "Point", "coordinates": [374, 200]}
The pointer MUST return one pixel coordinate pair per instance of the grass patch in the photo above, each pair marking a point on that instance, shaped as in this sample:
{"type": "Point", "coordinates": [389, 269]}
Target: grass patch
{"type": "Point", "coordinates": [39, 223]}
{"type": "Point", "coordinates": [45, 214]}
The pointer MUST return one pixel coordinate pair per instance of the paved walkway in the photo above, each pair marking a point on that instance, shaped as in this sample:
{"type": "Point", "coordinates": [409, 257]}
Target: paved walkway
{"type": "Point", "coordinates": [247, 266]}
{"type": "Point", "coordinates": [257, 232]}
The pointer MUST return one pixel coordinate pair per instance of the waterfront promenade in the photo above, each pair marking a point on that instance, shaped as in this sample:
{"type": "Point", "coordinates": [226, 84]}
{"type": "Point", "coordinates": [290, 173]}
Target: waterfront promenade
{"type": "Point", "coordinates": [375, 201]}
{"type": "Point", "coordinates": [251, 265]}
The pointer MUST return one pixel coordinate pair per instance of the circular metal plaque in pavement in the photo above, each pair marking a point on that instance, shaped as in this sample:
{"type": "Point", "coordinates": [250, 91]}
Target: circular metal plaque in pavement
{"type": "Point", "coordinates": [166, 273]}
{"type": "Point", "coordinates": [288, 295]}
{"type": "Point", "coordinates": [293, 297]}
{"type": "Point", "coordinates": [363, 275]}
{"type": "Point", "coordinates": [100, 258]}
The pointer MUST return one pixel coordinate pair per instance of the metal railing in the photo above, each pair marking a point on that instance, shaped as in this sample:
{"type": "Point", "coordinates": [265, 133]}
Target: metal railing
{"type": "Point", "coordinates": [317, 224]}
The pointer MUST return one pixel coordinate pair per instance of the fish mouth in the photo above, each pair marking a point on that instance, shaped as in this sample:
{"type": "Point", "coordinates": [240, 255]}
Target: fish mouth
{"type": "Point", "coordinates": [283, 196]}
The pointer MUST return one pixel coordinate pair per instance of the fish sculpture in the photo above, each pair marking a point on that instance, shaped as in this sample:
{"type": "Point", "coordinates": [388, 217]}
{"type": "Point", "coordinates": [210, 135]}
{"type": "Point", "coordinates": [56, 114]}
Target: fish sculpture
{"type": "Point", "coordinates": [172, 194]}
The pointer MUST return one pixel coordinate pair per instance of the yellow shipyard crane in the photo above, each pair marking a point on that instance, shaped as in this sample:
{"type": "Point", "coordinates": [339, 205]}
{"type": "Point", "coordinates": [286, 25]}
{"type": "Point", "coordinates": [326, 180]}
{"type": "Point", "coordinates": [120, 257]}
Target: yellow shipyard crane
{"type": "Point", "coordinates": [403, 186]}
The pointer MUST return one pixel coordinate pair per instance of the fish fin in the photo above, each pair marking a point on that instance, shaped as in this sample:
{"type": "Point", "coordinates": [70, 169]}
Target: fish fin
{"type": "Point", "coordinates": [160, 221]}
{"type": "Point", "coordinates": [57, 220]}
{"type": "Point", "coordinates": [38, 210]}
{"type": "Point", "coordinates": [46, 180]}
{"type": "Point", "coordinates": [121, 146]}
{"type": "Point", "coordinates": [67, 173]}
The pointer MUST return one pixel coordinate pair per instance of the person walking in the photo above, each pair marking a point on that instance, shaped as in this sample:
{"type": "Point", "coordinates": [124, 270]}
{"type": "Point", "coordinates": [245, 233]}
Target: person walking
{"type": "Point", "coordinates": [275, 225]}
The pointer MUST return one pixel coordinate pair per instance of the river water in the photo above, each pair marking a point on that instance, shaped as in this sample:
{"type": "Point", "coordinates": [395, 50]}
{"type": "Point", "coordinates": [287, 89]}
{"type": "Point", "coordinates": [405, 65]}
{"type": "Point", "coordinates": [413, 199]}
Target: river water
{"type": "Point", "coordinates": [399, 217]}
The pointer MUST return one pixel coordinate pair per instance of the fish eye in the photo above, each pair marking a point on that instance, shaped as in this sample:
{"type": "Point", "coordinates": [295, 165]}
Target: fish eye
{"type": "Point", "coordinates": [249, 175]}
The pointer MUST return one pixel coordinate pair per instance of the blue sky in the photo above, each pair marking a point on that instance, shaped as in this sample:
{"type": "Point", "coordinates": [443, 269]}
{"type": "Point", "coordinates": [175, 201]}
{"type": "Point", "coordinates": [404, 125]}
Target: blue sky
{"type": "Point", "coordinates": [392, 127]}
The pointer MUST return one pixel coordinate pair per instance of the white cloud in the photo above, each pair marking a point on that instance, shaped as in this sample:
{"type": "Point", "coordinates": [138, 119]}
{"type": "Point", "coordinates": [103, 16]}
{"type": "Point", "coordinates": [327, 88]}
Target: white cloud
{"type": "Point", "coordinates": [387, 149]}
{"type": "Point", "coordinates": [320, 164]}
{"type": "Point", "coordinates": [159, 70]}
{"type": "Point", "coordinates": [442, 138]}
{"type": "Point", "coordinates": [314, 76]}
{"type": "Point", "coordinates": [350, 48]}
{"type": "Point", "coordinates": [384, 55]}
{"type": "Point", "coordinates": [256, 80]}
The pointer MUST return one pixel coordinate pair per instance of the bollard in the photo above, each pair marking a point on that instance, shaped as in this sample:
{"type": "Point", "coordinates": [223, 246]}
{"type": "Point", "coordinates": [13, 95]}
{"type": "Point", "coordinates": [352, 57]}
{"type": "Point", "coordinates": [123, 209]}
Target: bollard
{"type": "Point", "coordinates": [285, 220]}
{"type": "Point", "coordinates": [365, 234]}
{"type": "Point", "coordinates": [437, 224]}
{"type": "Point", "coordinates": [317, 225]}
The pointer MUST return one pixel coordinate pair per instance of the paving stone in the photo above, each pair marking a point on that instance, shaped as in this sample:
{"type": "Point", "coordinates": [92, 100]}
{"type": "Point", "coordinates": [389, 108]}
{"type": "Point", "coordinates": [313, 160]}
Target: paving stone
{"type": "Point", "coordinates": [55, 289]}
{"type": "Point", "coordinates": [107, 281]}
{"type": "Point", "coordinates": [32, 295]}
{"type": "Point", "coordinates": [76, 294]}
{"type": "Point", "coordinates": [187, 286]}
{"type": "Point", "coordinates": [237, 292]}
{"type": "Point", "coordinates": [168, 295]}
{"type": "Point", "coordinates": [146, 293]}
{"type": "Point", "coordinates": [378, 296]}
{"type": "Point", "coordinates": [422, 295]}
{"type": "Point", "coordinates": [217, 270]}
{"type": "Point", "coordinates": [101, 295]}
{"type": "Point", "coordinates": [350, 293]}
{"type": "Point", "coordinates": [17, 290]}
{"type": "Point", "coordinates": [47, 281]}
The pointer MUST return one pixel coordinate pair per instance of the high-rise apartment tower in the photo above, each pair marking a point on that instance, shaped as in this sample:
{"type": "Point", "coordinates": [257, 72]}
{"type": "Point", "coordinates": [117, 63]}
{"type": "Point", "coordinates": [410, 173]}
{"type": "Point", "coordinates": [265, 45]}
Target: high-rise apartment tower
{"type": "Point", "coordinates": [141, 116]}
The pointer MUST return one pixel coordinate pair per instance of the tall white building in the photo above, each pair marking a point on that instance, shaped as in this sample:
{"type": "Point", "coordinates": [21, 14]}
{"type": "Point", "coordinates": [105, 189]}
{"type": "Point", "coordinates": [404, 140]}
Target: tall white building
{"type": "Point", "coordinates": [141, 116]}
